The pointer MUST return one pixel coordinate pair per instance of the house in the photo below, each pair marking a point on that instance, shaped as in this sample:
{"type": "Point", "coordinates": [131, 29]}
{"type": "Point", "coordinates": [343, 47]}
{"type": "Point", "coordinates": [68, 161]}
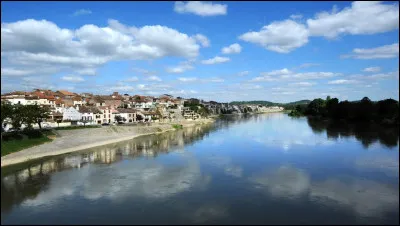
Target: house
{"type": "Point", "coordinates": [189, 114]}
{"type": "Point", "coordinates": [128, 114]}
{"type": "Point", "coordinates": [71, 114]}
{"type": "Point", "coordinates": [88, 113]}
{"type": "Point", "coordinates": [105, 116]}
{"type": "Point", "coordinates": [64, 94]}
{"type": "Point", "coordinates": [77, 101]}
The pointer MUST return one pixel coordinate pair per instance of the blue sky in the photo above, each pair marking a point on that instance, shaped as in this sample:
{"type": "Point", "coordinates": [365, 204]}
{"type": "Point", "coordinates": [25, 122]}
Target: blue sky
{"type": "Point", "coordinates": [276, 51]}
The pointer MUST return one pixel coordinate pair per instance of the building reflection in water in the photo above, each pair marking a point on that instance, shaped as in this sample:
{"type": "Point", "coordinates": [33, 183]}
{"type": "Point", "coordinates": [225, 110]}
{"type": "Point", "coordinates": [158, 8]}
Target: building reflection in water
{"type": "Point", "coordinates": [27, 183]}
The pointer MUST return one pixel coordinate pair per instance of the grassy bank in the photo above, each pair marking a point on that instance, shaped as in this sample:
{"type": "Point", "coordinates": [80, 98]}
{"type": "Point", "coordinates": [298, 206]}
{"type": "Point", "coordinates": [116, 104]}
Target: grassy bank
{"type": "Point", "coordinates": [13, 142]}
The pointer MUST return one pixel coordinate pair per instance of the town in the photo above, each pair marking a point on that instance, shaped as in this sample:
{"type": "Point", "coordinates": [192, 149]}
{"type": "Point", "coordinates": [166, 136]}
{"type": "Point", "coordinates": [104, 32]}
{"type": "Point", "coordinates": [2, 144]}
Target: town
{"type": "Point", "coordinates": [65, 108]}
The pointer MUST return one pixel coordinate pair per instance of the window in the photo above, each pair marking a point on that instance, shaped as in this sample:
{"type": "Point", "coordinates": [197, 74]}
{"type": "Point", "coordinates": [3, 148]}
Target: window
{"type": "Point", "coordinates": [130, 115]}
{"type": "Point", "coordinates": [109, 115]}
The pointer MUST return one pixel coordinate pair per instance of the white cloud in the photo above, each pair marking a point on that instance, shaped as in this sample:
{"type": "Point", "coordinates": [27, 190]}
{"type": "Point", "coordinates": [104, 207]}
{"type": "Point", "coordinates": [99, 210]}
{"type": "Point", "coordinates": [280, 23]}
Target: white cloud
{"type": "Point", "coordinates": [86, 71]}
{"type": "Point", "coordinates": [82, 12]}
{"type": "Point", "coordinates": [343, 81]}
{"type": "Point", "coordinates": [182, 67]}
{"type": "Point", "coordinates": [279, 36]}
{"type": "Point", "coordinates": [234, 48]}
{"type": "Point", "coordinates": [243, 73]}
{"type": "Point", "coordinates": [296, 16]}
{"type": "Point", "coordinates": [361, 18]}
{"type": "Point", "coordinates": [307, 65]}
{"type": "Point", "coordinates": [132, 79]}
{"type": "Point", "coordinates": [201, 8]}
{"type": "Point", "coordinates": [283, 71]}
{"type": "Point", "coordinates": [286, 74]}
{"type": "Point", "coordinates": [215, 79]}
{"type": "Point", "coordinates": [72, 78]}
{"type": "Point", "coordinates": [216, 60]}
{"type": "Point", "coordinates": [31, 45]}
{"type": "Point", "coordinates": [204, 41]}
{"type": "Point", "coordinates": [154, 78]}
{"type": "Point", "coordinates": [310, 75]}
{"type": "Point", "coordinates": [187, 79]}
{"type": "Point", "coordinates": [372, 69]}
{"type": "Point", "coordinates": [14, 72]}
{"type": "Point", "coordinates": [144, 71]}
{"type": "Point", "coordinates": [302, 84]}
{"type": "Point", "coordinates": [382, 52]}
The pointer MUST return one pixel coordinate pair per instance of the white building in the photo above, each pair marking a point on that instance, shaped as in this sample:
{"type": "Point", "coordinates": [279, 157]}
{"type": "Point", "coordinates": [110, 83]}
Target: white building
{"type": "Point", "coordinates": [71, 114]}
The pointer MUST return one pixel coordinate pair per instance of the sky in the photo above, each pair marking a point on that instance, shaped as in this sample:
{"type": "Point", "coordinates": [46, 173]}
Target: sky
{"type": "Point", "coordinates": [222, 51]}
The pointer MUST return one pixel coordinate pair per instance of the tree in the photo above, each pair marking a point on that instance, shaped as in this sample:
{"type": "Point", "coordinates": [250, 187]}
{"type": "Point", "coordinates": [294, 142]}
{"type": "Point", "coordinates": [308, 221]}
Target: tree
{"type": "Point", "coordinates": [316, 107]}
{"type": "Point", "coordinates": [139, 117]}
{"type": "Point", "coordinates": [118, 118]}
{"type": "Point", "coordinates": [6, 112]}
{"type": "Point", "coordinates": [39, 113]}
{"type": "Point", "coordinates": [58, 122]}
{"type": "Point", "coordinates": [17, 116]}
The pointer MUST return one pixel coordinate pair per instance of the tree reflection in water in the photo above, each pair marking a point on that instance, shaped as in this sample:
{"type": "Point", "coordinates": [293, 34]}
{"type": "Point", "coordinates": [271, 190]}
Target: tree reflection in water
{"type": "Point", "coordinates": [367, 133]}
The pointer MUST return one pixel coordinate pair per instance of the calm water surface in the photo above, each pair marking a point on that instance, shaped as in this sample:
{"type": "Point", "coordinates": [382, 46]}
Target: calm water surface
{"type": "Point", "coordinates": [262, 169]}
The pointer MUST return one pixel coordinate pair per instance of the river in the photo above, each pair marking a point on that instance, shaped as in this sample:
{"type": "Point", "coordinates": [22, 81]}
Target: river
{"type": "Point", "coordinates": [258, 169]}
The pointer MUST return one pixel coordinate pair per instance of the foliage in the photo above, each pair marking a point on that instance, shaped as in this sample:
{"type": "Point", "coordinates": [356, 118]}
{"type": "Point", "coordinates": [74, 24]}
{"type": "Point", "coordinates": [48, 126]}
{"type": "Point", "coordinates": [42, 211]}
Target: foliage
{"type": "Point", "coordinates": [384, 111]}
{"type": "Point", "coordinates": [13, 142]}
{"type": "Point", "coordinates": [6, 111]}
{"type": "Point", "coordinates": [177, 126]}
{"type": "Point", "coordinates": [139, 117]}
{"type": "Point", "coordinates": [118, 118]}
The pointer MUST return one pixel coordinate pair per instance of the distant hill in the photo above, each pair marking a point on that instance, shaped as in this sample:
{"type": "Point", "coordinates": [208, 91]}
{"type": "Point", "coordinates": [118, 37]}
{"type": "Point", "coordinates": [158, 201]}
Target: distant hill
{"type": "Point", "coordinates": [269, 103]}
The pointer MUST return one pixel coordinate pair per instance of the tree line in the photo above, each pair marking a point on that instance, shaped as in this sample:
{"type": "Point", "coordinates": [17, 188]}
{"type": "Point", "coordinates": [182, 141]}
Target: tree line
{"type": "Point", "coordinates": [23, 115]}
{"type": "Point", "coordinates": [383, 111]}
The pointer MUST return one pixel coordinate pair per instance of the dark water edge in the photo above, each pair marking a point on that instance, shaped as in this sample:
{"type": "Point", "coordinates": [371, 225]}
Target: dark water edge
{"type": "Point", "coordinates": [248, 169]}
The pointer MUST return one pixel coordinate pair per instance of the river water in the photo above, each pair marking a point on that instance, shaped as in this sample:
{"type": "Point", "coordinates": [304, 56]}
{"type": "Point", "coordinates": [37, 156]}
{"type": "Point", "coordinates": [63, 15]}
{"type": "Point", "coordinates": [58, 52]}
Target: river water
{"type": "Point", "coordinates": [259, 169]}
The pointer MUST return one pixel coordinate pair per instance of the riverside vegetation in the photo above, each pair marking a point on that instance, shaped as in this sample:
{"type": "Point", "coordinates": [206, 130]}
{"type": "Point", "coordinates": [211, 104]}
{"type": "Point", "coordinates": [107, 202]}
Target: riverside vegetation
{"type": "Point", "coordinates": [385, 112]}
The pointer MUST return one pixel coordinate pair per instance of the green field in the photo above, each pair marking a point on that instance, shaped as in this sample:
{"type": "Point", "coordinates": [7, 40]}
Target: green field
{"type": "Point", "coordinates": [16, 142]}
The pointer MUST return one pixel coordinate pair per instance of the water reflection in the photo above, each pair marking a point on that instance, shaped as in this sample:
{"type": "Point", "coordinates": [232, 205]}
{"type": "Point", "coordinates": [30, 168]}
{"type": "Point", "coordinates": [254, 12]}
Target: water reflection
{"type": "Point", "coordinates": [213, 174]}
{"type": "Point", "coordinates": [144, 178]}
{"type": "Point", "coordinates": [366, 133]}
{"type": "Point", "coordinates": [365, 197]}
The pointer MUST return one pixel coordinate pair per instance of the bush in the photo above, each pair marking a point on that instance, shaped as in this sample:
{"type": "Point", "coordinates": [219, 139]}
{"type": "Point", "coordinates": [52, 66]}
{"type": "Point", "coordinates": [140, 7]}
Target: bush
{"type": "Point", "coordinates": [176, 126]}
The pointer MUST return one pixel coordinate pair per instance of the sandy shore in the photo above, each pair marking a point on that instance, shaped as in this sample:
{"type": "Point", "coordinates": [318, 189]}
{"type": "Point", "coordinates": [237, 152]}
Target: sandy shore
{"type": "Point", "coordinates": [76, 140]}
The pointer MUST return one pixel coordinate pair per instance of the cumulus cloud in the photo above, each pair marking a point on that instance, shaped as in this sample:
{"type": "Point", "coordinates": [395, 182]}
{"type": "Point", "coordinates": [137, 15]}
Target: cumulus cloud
{"type": "Point", "coordinates": [243, 73]}
{"type": "Point", "coordinates": [372, 69]}
{"type": "Point", "coordinates": [154, 78]}
{"type": "Point", "coordinates": [296, 16]}
{"type": "Point", "coordinates": [132, 79]}
{"type": "Point", "coordinates": [286, 74]}
{"type": "Point", "coordinates": [187, 79]}
{"type": "Point", "coordinates": [343, 82]}
{"type": "Point", "coordinates": [31, 45]}
{"type": "Point", "coordinates": [144, 71]}
{"type": "Point", "coordinates": [382, 52]}
{"type": "Point", "coordinates": [302, 84]}
{"type": "Point", "coordinates": [361, 18]}
{"type": "Point", "coordinates": [204, 41]}
{"type": "Point", "coordinates": [216, 60]}
{"type": "Point", "coordinates": [72, 78]}
{"type": "Point", "coordinates": [82, 12]}
{"type": "Point", "coordinates": [201, 8]}
{"type": "Point", "coordinates": [285, 182]}
{"type": "Point", "coordinates": [14, 72]}
{"type": "Point", "coordinates": [182, 67]}
{"type": "Point", "coordinates": [279, 36]}
{"type": "Point", "coordinates": [234, 48]}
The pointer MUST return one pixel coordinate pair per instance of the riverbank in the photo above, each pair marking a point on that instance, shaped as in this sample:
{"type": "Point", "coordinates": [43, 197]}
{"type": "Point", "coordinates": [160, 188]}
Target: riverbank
{"type": "Point", "coordinates": [75, 140]}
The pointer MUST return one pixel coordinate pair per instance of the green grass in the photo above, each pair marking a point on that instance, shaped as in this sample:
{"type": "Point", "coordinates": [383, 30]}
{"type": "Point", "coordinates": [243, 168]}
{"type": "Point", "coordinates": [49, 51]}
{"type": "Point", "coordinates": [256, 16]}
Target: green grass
{"type": "Point", "coordinates": [11, 146]}
{"type": "Point", "coordinates": [77, 127]}
{"type": "Point", "coordinates": [177, 126]}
